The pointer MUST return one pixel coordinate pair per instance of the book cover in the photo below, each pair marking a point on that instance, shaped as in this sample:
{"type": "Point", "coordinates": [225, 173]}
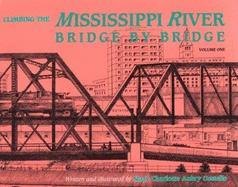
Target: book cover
{"type": "Point", "coordinates": [118, 93]}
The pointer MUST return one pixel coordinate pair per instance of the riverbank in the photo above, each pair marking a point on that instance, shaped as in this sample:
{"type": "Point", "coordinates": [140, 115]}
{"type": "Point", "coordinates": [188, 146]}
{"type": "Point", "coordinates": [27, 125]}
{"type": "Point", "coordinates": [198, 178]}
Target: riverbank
{"type": "Point", "coordinates": [103, 178]}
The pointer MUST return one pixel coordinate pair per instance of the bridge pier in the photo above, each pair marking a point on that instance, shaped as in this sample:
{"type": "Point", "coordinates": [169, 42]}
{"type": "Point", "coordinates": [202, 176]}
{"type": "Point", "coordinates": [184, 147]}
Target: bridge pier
{"type": "Point", "coordinates": [135, 159]}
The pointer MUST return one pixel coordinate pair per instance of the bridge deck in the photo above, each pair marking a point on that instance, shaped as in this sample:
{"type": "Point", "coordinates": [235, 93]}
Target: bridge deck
{"type": "Point", "coordinates": [188, 154]}
{"type": "Point", "coordinates": [154, 152]}
{"type": "Point", "coordinates": [153, 120]}
{"type": "Point", "coordinates": [62, 155]}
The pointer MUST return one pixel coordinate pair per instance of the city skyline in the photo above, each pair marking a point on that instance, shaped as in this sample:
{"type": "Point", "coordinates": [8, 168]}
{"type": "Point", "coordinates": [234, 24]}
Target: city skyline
{"type": "Point", "coordinates": [121, 58]}
{"type": "Point", "coordinates": [90, 60]}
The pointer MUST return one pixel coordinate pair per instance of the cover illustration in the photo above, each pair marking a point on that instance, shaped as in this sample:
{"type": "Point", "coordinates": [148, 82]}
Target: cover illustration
{"type": "Point", "coordinates": [118, 93]}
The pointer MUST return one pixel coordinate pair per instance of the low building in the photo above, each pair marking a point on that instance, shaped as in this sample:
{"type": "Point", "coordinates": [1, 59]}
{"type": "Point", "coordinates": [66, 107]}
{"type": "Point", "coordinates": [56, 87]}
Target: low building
{"type": "Point", "coordinates": [100, 87]}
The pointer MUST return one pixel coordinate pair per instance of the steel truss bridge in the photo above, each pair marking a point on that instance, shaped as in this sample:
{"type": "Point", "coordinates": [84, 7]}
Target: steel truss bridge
{"type": "Point", "coordinates": [163, 78]}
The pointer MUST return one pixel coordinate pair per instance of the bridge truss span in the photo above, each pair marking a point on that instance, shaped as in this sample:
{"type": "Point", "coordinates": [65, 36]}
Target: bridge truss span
{"type": "Point", "coordinates": [192, 92]}
{"type": "Point", "coordinates": [166, 93]}
{"type": "Point", "coordinates": [49, 66]}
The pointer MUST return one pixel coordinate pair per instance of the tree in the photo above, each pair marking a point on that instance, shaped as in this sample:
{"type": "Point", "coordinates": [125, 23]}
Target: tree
{"type": "Point", "coordinates": [205, 168]}
{"type": "Point", "coordinates": [226, 169]}
{"type": "Point", "coordinates": [181, 168]}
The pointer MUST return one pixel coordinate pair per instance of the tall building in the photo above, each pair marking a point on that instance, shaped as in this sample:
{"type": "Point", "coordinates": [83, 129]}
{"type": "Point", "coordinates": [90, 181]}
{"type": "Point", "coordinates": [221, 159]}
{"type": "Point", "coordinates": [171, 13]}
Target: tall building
{"type": "Point", "coordinates": [186, 46]}
{"type": "Point", "coordinates": [186, 55]}
{"type": "Point", "coordinates": [121, 57]}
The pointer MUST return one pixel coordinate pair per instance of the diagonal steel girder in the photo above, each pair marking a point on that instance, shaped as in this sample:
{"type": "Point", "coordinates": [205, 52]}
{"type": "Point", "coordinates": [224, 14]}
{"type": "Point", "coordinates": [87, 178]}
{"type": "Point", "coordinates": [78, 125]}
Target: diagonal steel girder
{"type": "Point", "coordinates": [34, 80]}
{"type": "Point", "coordinates": [39, 87]}
{"type": "Point", "coordinates": [5, 71]}
{"type": "Point", "coordinates": [34, 130]}
{"type": "Point", "coordinates": [29, 75]}
{"type": "Point", "coordinates": [159, 96]}
{"type": "Point", "coordinates": [15, 101]}
{"type": "Point", "coordinates": [156, 90]}
{"type": "Point", "coordinates": [72, 126]}
{"type": "Point", "coordinates": [215, 89]}
{"type": "Point", "coordinates": [37, 64]}
{"type": "Point", "coordinates": [186, 91]}
{"type": "Point", "coordinates": [29, 137]}
{"type": "Point", "coordinates": [28, 86]}
{"type": "Point", "coordinates": [75, 135]}
{"type": "Point", "coordinates": [91, 101]}
{"type": "Point", "coordinates": [126, 105]}
{"type": "Point", "coordinates": [120, 91]}
{"type": "Point", "coordinates": [5, 139]}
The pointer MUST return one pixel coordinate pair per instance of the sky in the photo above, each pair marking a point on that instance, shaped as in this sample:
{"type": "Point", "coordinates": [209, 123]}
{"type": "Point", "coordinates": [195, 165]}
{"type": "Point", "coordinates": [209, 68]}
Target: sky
{"type": "Point", "coordinates": [88, 61]}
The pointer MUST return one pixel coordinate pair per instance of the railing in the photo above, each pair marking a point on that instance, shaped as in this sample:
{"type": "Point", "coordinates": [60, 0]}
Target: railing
{"type": "Point", "coordinates": [115, 146]}
{"type": "Point", "coordinates": [27, 167]}
{"type": "Point", "coordinates": [189, 151]}
{"type": "Point", "coordinates": [66, 147]}
{"type": "Point", "coordinates": [112, 167]}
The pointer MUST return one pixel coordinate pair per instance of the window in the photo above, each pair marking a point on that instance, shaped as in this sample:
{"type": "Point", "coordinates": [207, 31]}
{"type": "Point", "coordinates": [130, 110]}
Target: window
{"type": "Point", "coordinates": [144, 53]}
{"type": "Point", "coordinates": [220, 137]}
{"type": "Point", "coordinates": [108, 134]}
{"type": "Point", "coordinates": [153, 40]}
{"type": "Point", "coordinates": [144, 59]}
{"type": "Point", "coordinates": [86, 135]}
{"type": "Point", "coordinates": [26, 135]}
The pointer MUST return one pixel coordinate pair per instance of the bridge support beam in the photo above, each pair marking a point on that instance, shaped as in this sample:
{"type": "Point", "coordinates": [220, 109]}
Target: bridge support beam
{"type": "Point", "coordinates": [135, 159]}
{"type": "Point", "coordinates": [202, 94]}
{"type": "Point", "coordinates": [172, 99]}
{"type": "Point", "coordinates": [138, 112]}
{"type": "Point", "coordinates": [53, 106]}
{"type": "Point", "coordinates": [14, 96]}
{"type": "Point", "coordinates": [230, 93]}
{"type": "Point", "coordinates": [90, 127]}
